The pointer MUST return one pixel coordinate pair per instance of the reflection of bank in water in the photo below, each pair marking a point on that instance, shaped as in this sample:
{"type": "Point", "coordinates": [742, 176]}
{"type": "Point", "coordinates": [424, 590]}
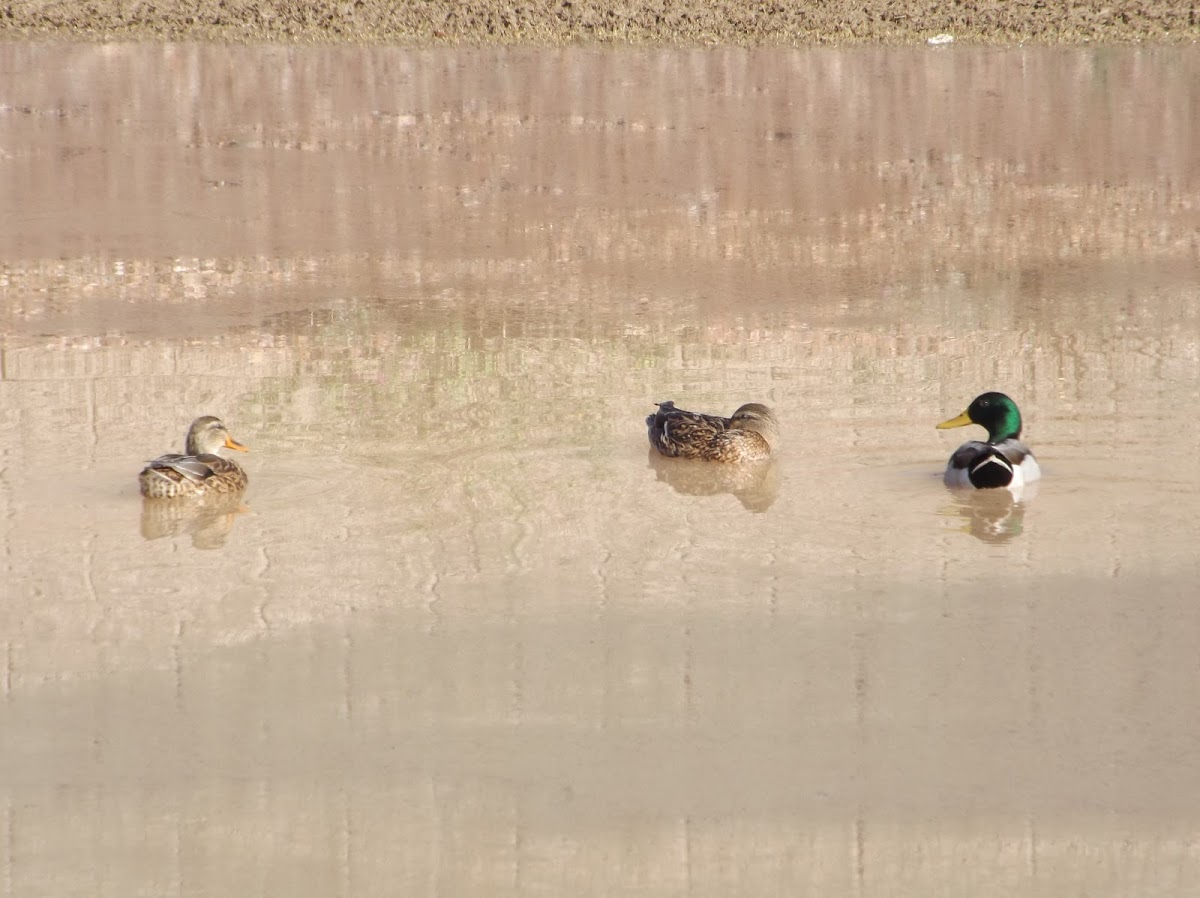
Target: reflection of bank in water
{"type": "Point", "coordinates": [756, 485]}
{"type": "Point", "coordinates": [994, 516]}
{"type": "Point", "coordinates": [207, 520]}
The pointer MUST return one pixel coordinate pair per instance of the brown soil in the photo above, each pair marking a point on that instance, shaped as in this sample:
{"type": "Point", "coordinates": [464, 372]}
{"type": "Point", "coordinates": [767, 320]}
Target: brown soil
{"type": "Point", "coordinates": [692, 22]}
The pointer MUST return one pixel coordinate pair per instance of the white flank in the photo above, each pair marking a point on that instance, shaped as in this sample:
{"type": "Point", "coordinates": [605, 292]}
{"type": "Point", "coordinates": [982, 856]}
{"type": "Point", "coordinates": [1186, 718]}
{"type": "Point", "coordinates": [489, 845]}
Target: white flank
{"type": "Point", "coordinates": [1029, 469]}
{"type": "Point", "coordinates": [958, 478]}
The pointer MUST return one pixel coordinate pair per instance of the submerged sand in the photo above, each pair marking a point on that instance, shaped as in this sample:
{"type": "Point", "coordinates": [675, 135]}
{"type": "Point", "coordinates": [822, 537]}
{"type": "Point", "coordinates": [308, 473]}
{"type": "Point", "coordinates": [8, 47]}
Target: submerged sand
{"type": "Point", "coordinates": [551, 22]}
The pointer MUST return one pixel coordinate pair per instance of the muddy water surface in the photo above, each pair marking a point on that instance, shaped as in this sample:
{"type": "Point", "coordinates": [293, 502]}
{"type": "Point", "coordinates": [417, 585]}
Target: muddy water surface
{"type": "Point", "coordinates": [464, 635]}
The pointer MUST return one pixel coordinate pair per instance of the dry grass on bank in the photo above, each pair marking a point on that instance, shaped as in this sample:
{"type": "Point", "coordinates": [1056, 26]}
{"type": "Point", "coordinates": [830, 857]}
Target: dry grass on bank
{"type": "Point", "coordinates": [556, 22]}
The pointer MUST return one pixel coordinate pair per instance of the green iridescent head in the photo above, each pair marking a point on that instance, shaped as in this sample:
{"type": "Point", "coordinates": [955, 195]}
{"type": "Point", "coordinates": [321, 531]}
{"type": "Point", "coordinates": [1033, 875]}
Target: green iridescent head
{"type": "Point", "coordinates": [995, 411]}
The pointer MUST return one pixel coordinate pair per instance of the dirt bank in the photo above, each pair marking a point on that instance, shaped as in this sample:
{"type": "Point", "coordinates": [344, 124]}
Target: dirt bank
{"type": "Point", "coordinates": [694, 22]}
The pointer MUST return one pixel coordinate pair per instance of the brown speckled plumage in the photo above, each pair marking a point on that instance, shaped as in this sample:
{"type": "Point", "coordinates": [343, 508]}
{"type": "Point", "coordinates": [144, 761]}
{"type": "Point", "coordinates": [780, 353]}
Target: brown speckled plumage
{"type": "Point", "coordinates": [199, 471]}
{"type": "Point", "coordinates": [750, 434]}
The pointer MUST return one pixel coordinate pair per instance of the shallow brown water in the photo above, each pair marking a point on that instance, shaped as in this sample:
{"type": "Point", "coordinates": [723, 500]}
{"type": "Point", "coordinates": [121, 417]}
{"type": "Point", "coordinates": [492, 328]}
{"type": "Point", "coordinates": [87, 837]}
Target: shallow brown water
{"type": "Point", "coordinates": [465, 636]}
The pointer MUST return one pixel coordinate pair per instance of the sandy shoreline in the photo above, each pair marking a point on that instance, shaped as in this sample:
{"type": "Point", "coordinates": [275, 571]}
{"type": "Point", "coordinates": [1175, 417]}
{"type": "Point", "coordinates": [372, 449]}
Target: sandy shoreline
{"type": "Point", "coordinates": [556, 22]}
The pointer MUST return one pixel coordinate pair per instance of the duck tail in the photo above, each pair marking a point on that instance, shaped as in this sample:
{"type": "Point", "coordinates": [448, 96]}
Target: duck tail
{"type": "Point", "coordinates": [991, 470]}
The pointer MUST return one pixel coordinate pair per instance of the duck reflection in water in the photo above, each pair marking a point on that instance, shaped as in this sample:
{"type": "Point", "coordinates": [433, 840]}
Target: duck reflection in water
{"type": "Point", "coordinates": [755, 485]}
{"type": "Point", "coordinates": [994, 516]}
{"type": "Point", "coordinates": [208, 520]}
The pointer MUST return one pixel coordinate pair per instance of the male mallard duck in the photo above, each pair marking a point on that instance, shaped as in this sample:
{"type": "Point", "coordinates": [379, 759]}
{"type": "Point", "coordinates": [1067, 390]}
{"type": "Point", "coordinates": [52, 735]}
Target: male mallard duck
{"type": "Point", "coordinates": [199, 471]}
{"type": "Point", "coordinates": [749, 435]}
{"type": "Point", "coordinates": [1003, 461]}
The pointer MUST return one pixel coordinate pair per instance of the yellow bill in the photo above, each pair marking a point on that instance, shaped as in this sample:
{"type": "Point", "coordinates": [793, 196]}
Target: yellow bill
{"type": "Point", "coordinates": [961, 421]}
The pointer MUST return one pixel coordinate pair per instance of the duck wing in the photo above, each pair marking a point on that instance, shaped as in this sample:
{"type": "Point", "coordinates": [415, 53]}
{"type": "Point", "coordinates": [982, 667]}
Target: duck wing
{"type": "Point", "coordinates": [193, 468]}
{"type": "Point", "coordinates": [1015, 451]}
{"type": "Point", "coordinates": [683, 434]}
{"type": "Point", "coordinates": [197, 469]}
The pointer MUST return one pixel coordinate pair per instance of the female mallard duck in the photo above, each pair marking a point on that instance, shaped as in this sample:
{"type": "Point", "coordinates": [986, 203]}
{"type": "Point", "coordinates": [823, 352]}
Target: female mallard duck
{"type": "Point", "coordinates": [199, 471]}
{"type": "Point", "coordinates": [749, 435]}
{"type": "Point", "coordinates": [1003, 461]}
